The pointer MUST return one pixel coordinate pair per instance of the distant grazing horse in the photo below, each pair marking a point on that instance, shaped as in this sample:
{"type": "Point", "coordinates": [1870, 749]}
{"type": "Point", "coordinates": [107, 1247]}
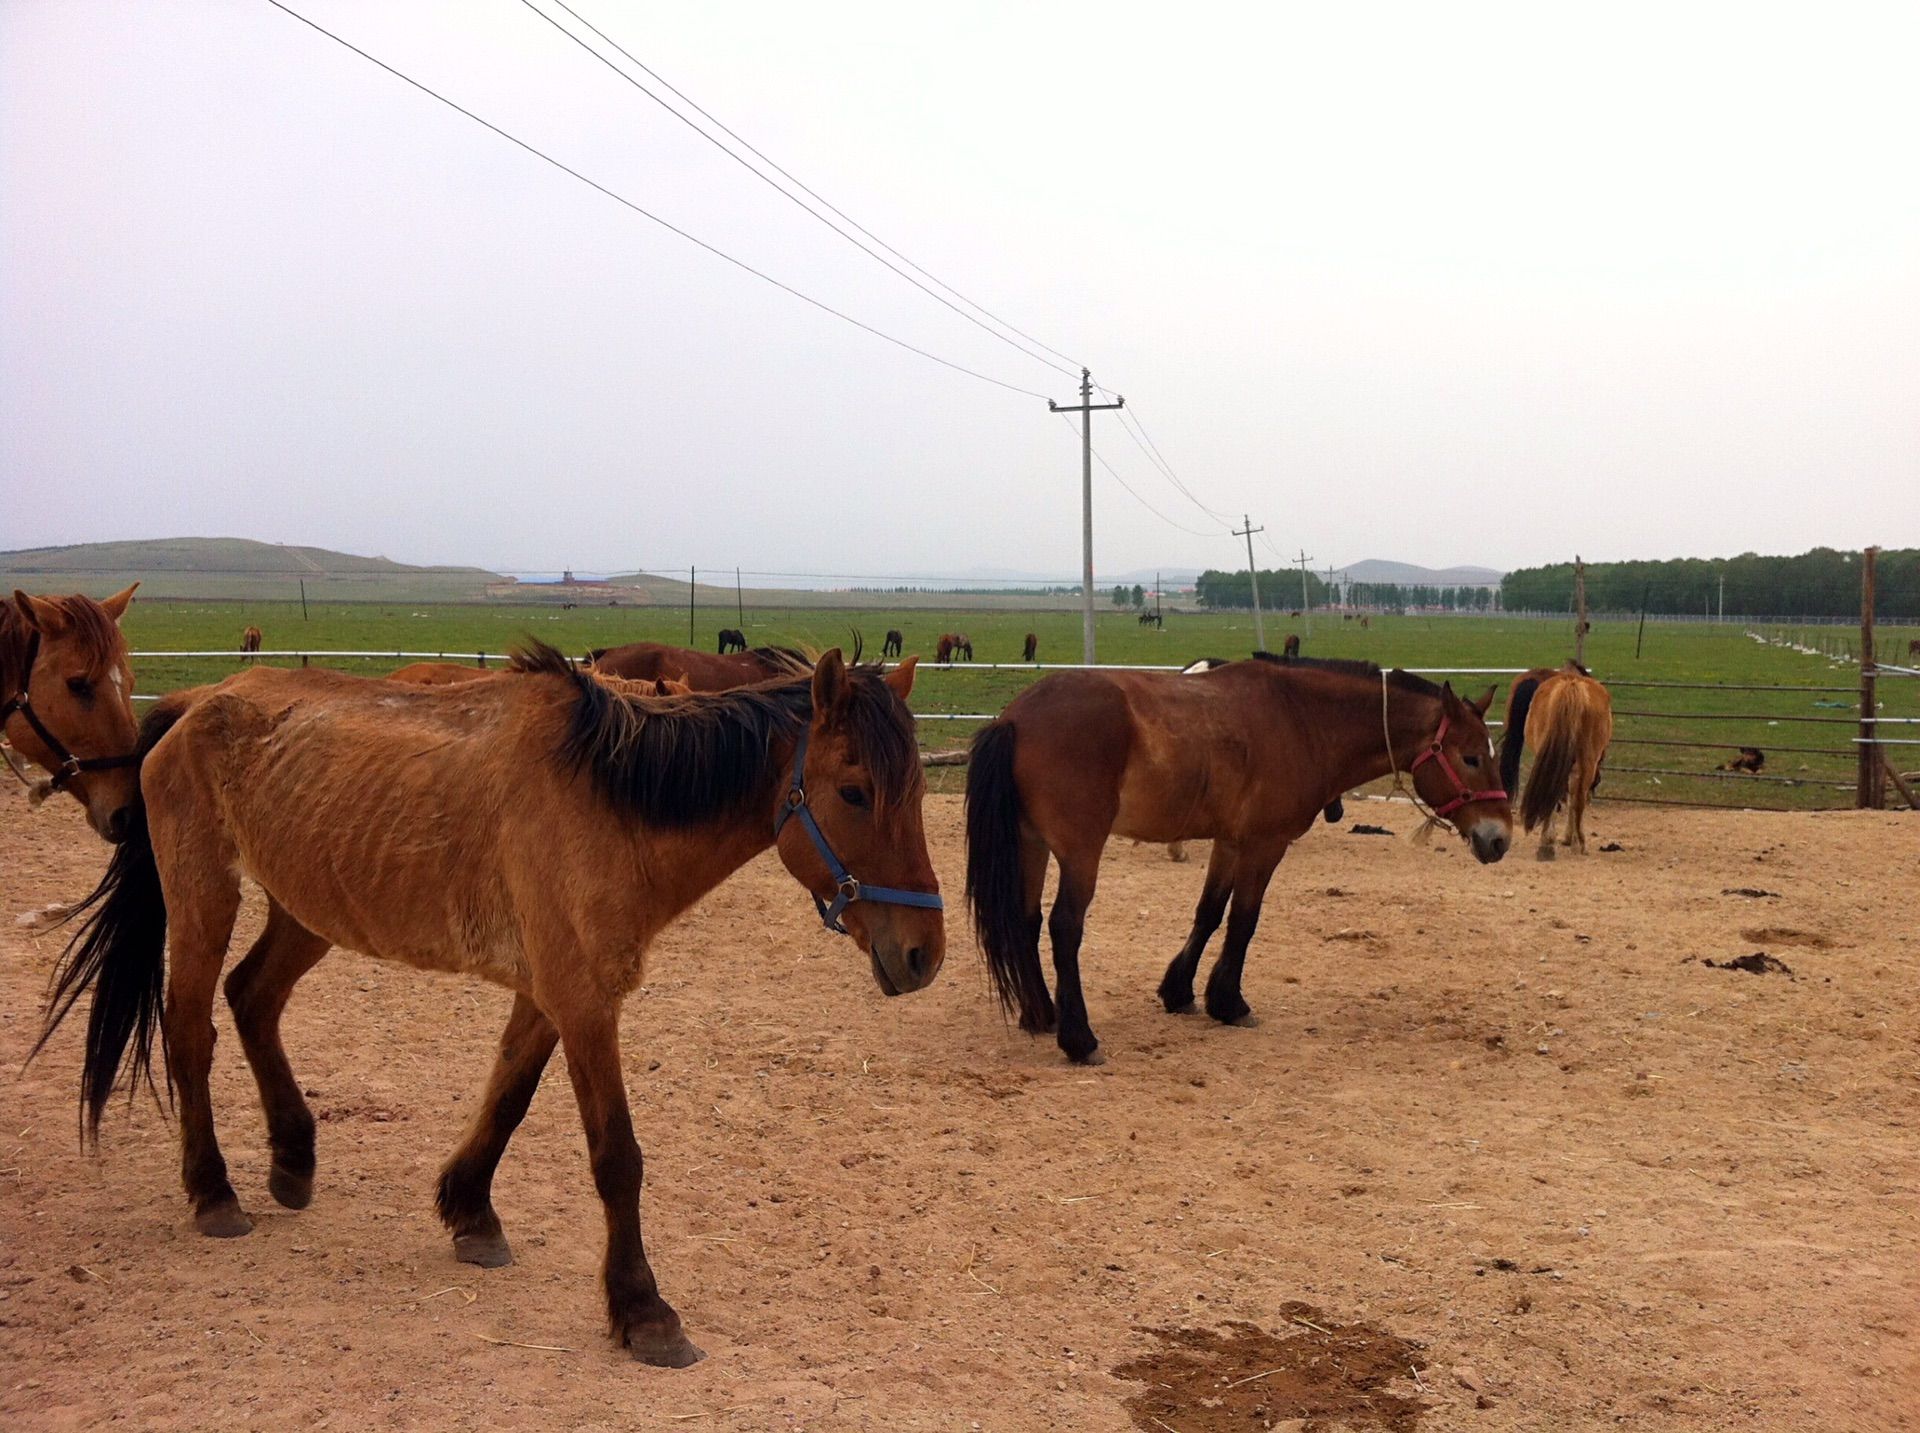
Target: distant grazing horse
{"type": "Point", "coordinates": [732, 639]}
{"type": "Point", "coordinates": [1151, 619]}
{"type": "Point", "coordinates": [250, 640]}
{"type": "Point", "coordinates": [1292, 647]}
{"type": "Point", "coordinates": [1568, 718]}
{"type": "Point", "coordinates": [66, 703]}
{"type": "Point", "coordinates": [894, 644]}
{"type": "Point", "coordinates": [1030, 652]}
{"type": "Point", "coordinates": [440, 674]}
{"type": "Point", "coordinates": [1248, 754]}
{"type": "Point", "coordinates": [1913, 646]}
{"type": "Point", "coordinates": [538, 831]}
{"type": "Point", "coordinates": [943, 649]}
{"type": "Point", "coordinates": [1366, 623]}
{"type": "Point", "coordinates": [1751, 759]}
{"type": "Point", "coordinates": [953, 646]}
{"type": "Point", "coordinates": [703, 671]}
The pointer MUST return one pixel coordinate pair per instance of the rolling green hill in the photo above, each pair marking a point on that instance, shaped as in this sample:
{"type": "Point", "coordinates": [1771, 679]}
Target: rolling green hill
{"type": "Point", "coordinates": [232, 567]}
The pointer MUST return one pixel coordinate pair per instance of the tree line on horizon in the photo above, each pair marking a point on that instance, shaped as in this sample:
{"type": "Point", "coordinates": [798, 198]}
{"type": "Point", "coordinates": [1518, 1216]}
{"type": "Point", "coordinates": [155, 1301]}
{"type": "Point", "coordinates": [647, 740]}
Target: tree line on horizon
{"type": "Point", "coordinates": [1824, 582]}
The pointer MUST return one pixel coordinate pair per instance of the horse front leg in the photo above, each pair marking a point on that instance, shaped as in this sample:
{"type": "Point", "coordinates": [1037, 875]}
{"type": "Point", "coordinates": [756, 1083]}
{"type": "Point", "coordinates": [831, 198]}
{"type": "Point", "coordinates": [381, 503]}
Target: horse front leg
{"type": "Point", "coordinates": [465, 1195]}
{"type": "Point", "coordinates": [1176, 986]}
{"type": "Point", "coordinates": [201, 922]}
{"type": "Point", "coordinates": [1252, 872]}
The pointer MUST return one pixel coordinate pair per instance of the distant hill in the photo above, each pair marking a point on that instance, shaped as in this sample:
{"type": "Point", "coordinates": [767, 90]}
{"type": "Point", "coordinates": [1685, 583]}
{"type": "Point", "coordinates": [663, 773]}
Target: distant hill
{"type": "Point", "coordinates": [235, 567]}
{"type": "Point", "coordinates": [1409, 574]}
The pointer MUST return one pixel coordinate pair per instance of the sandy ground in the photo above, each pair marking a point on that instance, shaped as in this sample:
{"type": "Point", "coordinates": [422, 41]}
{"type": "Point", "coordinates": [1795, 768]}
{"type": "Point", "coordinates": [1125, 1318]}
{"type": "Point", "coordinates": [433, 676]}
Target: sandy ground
{"type": "Point", "coordinates": [1503, 1154]}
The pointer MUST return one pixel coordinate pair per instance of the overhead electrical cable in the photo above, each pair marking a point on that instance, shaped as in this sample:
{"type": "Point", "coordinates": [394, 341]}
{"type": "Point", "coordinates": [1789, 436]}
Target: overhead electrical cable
{"type": "Point", "coordinates": [655, 218]}
{"type": "Point", "coordinates": [1114, 473]}
{"type": "Point", "coordinates": [773, 184]}
{"type": "Point", "coordinates": [811, 193]}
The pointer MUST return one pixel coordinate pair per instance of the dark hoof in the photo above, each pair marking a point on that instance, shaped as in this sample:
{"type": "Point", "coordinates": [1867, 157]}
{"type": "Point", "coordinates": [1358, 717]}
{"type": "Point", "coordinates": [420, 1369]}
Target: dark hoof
{"type": "Point", "coordinates": [489, 1251]}
{"type": "Point", "coordinates": [668, 1348]}
{"type": "Point", "coordinates": [1188, 1008]}
{"type": "Point", "coordinates": [1546, 853]}
{"type": "Point", "coordinates": [1248, 1021]}
{"type": "Point", "coordinates": [1040, 1024]}
{"type": "Point", "coordinates": [225, 1220]}
{"type": "Point", "coordinates": [294, 1191]}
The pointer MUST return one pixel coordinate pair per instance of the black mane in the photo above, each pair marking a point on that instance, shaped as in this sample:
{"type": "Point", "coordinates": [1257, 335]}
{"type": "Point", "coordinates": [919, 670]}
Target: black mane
{"type": "Point", "coordinates": [682, 760]}
{"type": "Point", "coordinates": [1398, 679]}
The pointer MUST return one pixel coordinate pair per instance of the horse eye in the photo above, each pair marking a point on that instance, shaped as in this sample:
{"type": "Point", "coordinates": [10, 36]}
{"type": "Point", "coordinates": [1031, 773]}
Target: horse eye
{"type": "Point", "coordinates": [1472, 761]}
{"type": "Point", "coordinates": [853, 796]}
{"type": "Point", "coordinates": [80, 686]}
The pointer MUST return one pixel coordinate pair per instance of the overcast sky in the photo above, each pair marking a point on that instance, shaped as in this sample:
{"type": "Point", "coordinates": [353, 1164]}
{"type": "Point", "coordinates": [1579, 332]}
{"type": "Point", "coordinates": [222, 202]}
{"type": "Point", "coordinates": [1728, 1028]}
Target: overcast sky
{"type": "Point", "coordinates": [1446, 284]}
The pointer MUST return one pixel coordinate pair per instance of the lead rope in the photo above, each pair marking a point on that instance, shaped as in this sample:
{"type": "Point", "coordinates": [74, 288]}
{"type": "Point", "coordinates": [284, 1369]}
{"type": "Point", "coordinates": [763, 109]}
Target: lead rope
{"type": "Point", "coordinates": [38, 787]}
{"type": "Point", "coordinates": [1402, 786]}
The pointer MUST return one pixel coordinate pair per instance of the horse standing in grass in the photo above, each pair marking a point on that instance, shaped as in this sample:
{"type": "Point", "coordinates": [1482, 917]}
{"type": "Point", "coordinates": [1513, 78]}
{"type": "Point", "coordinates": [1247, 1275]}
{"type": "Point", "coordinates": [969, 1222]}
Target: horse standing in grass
{"type": "Point", "coordinates": [538, 831]}
{"type": "Point", "coordinates": [1247, 754]}
{"type": "Point", "coordinates": [1568, 716]}
{"type": "Point", "coordinates": [732, 639]}
{"type": "Point", "coordinates": [893, 646]}
{"type": "Point", "coordinates": [1292, 647]}
{"type": "Point", "coordinates": [1030, 650]}
{"type": "Point", "coordinates": [250, 640]}
{"type": "Point", "coordinates": [66, 702]}
{"type": "Point", "coordinates": [703, 671]}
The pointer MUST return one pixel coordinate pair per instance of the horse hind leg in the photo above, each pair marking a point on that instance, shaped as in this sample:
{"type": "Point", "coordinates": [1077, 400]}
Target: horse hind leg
{"type": "Point", "coordinates": [1176, 986]}
{"type": "Point", "coordinates": [1252, 873]}
{"type": "Point", "coordinates": [465, 1196]}
{"type": "Point", "coordinates": [1037, 1013]}
{"type": "Point", "coordinates": [1066, 926]}
{"type": "Point", "coordinates": [257, 992]}
{"type": "Point", "coordinates": [1546, 835]}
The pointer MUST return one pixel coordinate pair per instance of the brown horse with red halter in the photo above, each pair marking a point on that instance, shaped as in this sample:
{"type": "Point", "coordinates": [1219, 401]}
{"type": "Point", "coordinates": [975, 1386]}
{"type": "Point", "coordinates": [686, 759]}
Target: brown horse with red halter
{"type": "Point", "coordinates": [66, 701]}
{"type": "Point", "coordinates": [1248, 754]}
{"type": "Point", "coordinates": [703, 671]}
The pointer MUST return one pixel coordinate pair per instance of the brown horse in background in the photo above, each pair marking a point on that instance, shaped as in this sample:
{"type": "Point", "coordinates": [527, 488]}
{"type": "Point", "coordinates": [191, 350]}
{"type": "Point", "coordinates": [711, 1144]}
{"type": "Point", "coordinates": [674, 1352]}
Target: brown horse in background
{"type": "Point", "coordinates": [1247, 754]}
{"type": "Point", "coordinates": [538, 831]}
{"type": "Point", "coordinates": [1030, 652]}
{"type": "Point", "coordinates": [66, 702]}
{"type": "Point", "coordinates": [1292, 647]}
{"type": "Point", "coordinates": [703, 671]}
{"type": "Point", "coordinates": [1568, 716]}
{"type": "Point", "coordinates": [250, 640]}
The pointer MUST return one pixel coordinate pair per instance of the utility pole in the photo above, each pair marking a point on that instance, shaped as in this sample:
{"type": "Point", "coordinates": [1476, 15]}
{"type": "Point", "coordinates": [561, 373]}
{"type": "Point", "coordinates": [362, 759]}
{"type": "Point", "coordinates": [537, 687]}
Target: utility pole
{"type": "Point", "coordinates": [1159, 617]}
{"type": "Point", "coordinates": [1247, 530]}
{"type": "Point", "coordinates": [1086, 408]}
{"type": "Point", "coordinates": [1579, 611]}
{"type": "Point", "coordinates": [739, 602]}
{"type": "Point", "coordinates": [1723, 597]}
{"type": "Point", "coordinates": [691, 576]}
{"type": "Point", "coordinates": [1306, 602]}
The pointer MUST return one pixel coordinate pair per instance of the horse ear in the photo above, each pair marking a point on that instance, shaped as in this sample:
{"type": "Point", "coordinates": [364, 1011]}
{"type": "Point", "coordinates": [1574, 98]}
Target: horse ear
{"type": "Point", "coordinates": [829, 682]}
{"type": "Point", "coordinates": [116, 605]}
{"type": "Point", "coordinates": [1448, 696]}
{"type": "Point", "coordinates": [41, 614]}
{"type": "Point", "coordinates": [901, 677]}
{"type": "Point", "coordinates": [1486, 699]}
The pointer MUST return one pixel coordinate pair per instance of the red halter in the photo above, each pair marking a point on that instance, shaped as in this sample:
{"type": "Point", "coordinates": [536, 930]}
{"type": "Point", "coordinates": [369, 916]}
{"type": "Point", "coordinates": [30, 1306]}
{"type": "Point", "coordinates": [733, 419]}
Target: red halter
{"type": "Point", "coordinates": [1462, 792]}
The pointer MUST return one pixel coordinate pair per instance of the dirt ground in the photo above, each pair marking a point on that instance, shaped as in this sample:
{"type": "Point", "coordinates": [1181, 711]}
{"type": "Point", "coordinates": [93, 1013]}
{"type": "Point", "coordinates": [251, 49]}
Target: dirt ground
{"type": "Point", "coordinates": [1504, 1153]}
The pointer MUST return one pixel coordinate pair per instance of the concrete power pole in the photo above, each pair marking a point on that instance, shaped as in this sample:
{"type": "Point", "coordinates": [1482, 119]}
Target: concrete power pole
{"type": "Point", "coordinates": [1247, 530]}
{"type": "Point", "coordinates": [1579, 611]}
{"type": "Point", "coordinates": [1086, 408]}
{"type": "Point", "coordinates": [1306, 602]}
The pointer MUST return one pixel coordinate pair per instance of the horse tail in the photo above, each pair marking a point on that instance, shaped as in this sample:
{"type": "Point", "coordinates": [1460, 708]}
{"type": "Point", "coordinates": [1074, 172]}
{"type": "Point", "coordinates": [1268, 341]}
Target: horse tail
{"type": "Point", "coordinates": [1555, 754]}
{"type": "Point", "coordinates": [1515, 736]}
{"type": "Point", "coordinates": [119, 953]}
{"type": "Point", "coordinates": [995, 886]}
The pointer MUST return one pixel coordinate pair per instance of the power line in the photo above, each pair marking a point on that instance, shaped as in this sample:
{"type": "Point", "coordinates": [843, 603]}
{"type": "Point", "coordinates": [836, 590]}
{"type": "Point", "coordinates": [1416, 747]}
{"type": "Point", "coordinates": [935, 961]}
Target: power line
{"type": "Point", "coordinates": [792, 198]}
{"type": "Point", "coordinates": [1144, 441]}
{"type": "Point", "coordinates": [1114, 473]}
{"type": "Point", "coordinates": [655, 218]}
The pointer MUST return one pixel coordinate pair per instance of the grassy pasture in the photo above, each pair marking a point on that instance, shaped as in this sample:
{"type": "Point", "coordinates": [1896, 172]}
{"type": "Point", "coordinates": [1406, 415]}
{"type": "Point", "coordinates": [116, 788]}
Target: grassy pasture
{"type": "Point", "coordinates": [1711, 655]}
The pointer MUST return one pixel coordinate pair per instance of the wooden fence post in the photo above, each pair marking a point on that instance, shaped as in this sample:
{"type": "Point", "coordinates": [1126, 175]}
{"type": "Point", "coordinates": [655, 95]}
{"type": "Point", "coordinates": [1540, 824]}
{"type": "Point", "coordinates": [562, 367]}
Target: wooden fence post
{"type": "Point", "coordinates": [1579, 611]}
{"type": "Point", "coordinates": [1870, 788]}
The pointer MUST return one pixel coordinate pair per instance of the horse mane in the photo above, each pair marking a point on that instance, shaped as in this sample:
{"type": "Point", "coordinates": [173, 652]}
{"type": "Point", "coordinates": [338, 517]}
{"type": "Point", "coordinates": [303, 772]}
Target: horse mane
{"type": "Point", "coordinates": [98, 632]}
{"type": "Point", "coordinates": [782, 659]}
{"type": "Point", "coordinates": [682, 760]}
{"type": "Point", "coordinates": [1399, 680]}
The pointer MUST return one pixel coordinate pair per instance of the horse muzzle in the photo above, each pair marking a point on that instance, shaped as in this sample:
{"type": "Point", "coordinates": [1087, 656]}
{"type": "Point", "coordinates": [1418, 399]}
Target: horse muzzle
{"type": "Point", "coordinates": [1490, 841]}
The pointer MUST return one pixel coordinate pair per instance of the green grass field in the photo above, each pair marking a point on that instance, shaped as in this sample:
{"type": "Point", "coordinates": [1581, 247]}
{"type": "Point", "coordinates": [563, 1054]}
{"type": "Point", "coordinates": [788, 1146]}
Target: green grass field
{"type": "Point", "coordinates": [1713, 656]}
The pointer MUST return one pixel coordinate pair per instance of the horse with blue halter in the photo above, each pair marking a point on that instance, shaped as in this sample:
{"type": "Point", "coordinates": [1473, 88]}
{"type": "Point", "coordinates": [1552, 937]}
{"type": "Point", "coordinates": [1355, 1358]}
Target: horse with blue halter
{"type": "Point", "coordinates": [537, 830]}
{"type": "Point", "coordinates": [1247, 754]}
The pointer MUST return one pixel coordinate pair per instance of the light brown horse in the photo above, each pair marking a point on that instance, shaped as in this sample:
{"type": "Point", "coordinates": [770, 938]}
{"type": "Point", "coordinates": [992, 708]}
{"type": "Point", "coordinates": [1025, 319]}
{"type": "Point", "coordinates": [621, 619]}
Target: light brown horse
{"type": "Point", "coordinates": [66, 701]}
{"type": "Point", "coordinates": [250, 640]}
{"type": "Point", "coordinates": [440, 674]}
{"type": "Point", "coordinates": [703, 671]}
{"type": "Point", "coordinates": [1247, 754]}
{"type": "Point", "coordinates": [1568, 716]}
{"type": "Point", "coordinates": [1030, 652]}
{"type": "Point", "coordinates": [537, 831]}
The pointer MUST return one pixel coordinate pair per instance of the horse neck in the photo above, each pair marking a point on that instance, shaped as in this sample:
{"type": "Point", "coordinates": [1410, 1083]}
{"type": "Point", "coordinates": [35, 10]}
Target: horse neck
{"type": "Point", "coordinates": [1368, 743]}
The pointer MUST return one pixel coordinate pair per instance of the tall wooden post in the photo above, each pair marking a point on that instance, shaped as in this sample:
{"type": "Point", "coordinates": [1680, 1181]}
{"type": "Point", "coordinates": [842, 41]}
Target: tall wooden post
{"type": "Point", "coordinates": [1579, 611]}
{"type": "Point", "coordinates": [692, 577]}
{"type": "Point", "coordinates": [1870, 787]}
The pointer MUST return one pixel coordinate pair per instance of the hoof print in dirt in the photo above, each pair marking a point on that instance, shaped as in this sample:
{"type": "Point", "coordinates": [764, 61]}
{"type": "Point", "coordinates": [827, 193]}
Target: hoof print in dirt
{"type": "Point", "coordinates": [1752, 893]}
{"type": "Point", "coordinates": [1611, 847]}
{"type": "Point", "coordinates": [1361, 828]}
{"type": "Point", "coordinates": [1759, 963]}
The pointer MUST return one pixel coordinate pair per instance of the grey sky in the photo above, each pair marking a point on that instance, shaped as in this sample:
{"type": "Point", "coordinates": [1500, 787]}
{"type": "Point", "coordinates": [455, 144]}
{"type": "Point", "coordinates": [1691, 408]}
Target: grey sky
{"type": "Point", "coordinates": [1445, 284]}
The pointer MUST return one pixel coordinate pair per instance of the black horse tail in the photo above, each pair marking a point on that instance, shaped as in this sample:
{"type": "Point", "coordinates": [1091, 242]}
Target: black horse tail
{"type": "Point", "coordinates": [1553, 759]}
{"type": "Point", "coordinates": [995, 886]}
{"type": "Point", "coordinates": [1515, 736]}
{"type": "Point", "coordinates": [119, 953]}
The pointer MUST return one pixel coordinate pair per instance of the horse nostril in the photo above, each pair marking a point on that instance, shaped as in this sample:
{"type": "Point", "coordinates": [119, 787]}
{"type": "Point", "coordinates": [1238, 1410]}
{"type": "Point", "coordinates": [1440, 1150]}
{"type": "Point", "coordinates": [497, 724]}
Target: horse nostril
{"type": "Point", "coordinates": [917, 962]}
{"type": "Point", "coordinates": [117, 825]}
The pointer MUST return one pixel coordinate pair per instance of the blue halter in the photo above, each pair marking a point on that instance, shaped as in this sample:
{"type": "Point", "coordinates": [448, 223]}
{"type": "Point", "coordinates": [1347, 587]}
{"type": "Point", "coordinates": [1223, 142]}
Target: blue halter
{"type": "Point", "coordinates": [847, 889]}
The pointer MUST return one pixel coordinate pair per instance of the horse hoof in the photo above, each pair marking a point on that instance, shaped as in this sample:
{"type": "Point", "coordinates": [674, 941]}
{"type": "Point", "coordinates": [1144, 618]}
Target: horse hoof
{"type": "Point", "coordinates": [672, 1350]}
{"type": "Point", "coordinates": [1187, 1009]}
{"type": "Point", "coordinates": [1546, 853]}
{"type": "Point", "coordinates": [1095, 1056]}
{"type": "Point", "coordinates": [1248, 1021]}
{"type": "Point", "coordinates": [225, 1220]}
{"type": "Point", "coordinates": [489, 1251]}
{"type": "Point", "coordinates": [293, 1191]}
